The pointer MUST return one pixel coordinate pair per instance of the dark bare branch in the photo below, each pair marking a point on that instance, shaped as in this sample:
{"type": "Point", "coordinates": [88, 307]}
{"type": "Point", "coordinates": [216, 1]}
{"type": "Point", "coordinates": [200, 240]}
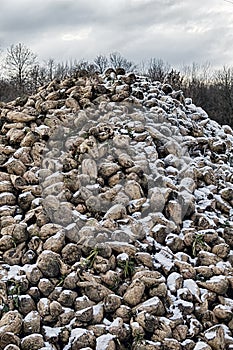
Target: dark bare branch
{"type": "Point", "coordinates": [19, 61]}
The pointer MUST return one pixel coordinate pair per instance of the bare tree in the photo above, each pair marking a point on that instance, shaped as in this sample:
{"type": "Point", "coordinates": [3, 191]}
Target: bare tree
{"type": "Point", "coordinates": [19, 61]}
{"type": "Point", "coordinates": [142, 68]}
{"type": "Point", "coordinates": [157, 69]}
{"type": "Point", "coordinates": [175, 79]}
{"type": "Point", "coordinates": [117, 60]}
{"type": "Point", "coordinates": [197, 82]}
{"type": "Point", "coordinates": [34, 78]}
{"type": "Point", "coordinates": [85, 65]}
{"type": "Point", "coordinates": [101, 63]}
{"type": "Point", "coordinates": [51, 66]}
{"type": "Point", "coordinates": [196, 71]}
{"type": "Point", "coordinates": [223, 82]}
{"type": "Point", "coordinates": [62, 70]}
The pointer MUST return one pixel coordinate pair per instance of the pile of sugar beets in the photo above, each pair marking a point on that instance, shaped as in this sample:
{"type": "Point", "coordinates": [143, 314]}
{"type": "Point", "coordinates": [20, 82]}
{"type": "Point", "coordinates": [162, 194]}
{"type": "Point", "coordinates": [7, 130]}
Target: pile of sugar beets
{"type": "Point", "coordinates": [116, 219]}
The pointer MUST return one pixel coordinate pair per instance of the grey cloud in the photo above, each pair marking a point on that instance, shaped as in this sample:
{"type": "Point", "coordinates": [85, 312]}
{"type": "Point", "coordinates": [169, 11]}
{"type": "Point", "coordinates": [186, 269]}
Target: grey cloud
{"type": "Point", "coordinates": [24, 16]}
{"type": "Point", "coordinates": [178, 31]}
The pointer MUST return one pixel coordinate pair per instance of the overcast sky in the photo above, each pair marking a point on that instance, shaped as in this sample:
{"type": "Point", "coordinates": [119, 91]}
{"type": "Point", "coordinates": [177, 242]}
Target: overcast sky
{"type": "Point", "coordinates": [178, 31]}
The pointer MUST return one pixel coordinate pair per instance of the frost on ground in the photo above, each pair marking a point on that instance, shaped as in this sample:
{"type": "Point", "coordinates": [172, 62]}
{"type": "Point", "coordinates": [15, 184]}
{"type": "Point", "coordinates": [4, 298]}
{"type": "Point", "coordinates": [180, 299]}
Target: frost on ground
{"type": "Point", "coordinates": [116, 201]}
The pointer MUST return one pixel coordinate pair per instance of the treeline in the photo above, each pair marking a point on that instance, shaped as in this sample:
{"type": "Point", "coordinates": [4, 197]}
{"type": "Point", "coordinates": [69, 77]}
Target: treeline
{"type": "Point", "coordinates": [22, 74]}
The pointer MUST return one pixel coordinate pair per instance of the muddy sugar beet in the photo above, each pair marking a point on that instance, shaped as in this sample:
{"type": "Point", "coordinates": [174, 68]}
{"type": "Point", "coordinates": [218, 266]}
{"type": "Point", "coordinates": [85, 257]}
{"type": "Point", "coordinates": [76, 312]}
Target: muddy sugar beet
{"type": "Point", "coordinates": [116, 219]}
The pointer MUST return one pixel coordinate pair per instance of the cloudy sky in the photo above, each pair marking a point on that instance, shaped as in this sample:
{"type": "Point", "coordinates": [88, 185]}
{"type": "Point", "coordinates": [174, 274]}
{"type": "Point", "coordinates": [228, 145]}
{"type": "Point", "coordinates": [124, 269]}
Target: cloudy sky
{"type": "Point", "coordinates": [178, 31]}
